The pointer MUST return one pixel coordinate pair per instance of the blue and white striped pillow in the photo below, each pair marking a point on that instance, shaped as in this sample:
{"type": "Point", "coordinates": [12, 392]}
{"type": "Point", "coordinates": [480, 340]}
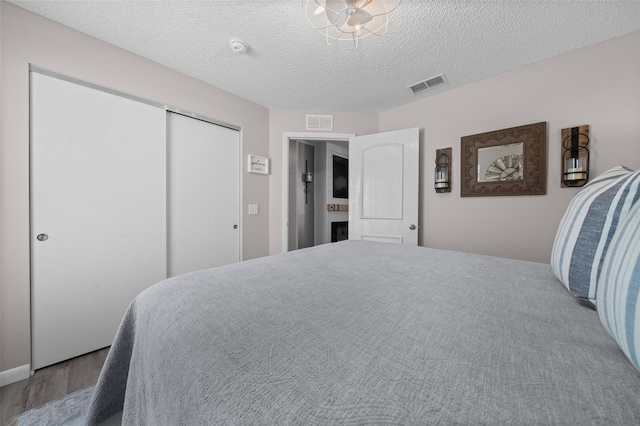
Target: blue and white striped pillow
{"type": "Point", "coordinates": [587, 227]}
{"type": "Point", "coordinates": [619, 287]}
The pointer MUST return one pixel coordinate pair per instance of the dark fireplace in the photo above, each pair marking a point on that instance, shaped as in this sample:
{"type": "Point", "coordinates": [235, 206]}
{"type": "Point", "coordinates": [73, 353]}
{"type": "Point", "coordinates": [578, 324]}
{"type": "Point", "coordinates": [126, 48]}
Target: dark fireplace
{"type": "Point", "coordinates": [339, 231]}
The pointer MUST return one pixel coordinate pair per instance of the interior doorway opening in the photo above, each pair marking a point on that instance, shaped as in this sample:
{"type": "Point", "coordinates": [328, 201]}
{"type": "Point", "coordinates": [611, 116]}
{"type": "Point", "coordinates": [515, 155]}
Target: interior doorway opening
{"type": "Point", "coordinates": [316, 190]}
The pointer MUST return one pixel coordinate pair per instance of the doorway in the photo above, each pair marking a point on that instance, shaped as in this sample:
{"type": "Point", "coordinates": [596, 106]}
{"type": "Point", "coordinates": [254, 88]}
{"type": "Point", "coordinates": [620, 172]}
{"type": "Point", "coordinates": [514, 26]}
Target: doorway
{"type": "Point", "coordinates": [315, 190]}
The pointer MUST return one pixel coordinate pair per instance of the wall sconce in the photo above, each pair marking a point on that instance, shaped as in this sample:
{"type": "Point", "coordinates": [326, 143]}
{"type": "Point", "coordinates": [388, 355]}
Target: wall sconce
{"type": "Point", "coordinates": [442, 173]}
{"type": "Point", "coordinates": [307, 179]}
{"type": "Point", "coordinates": [575, 156]}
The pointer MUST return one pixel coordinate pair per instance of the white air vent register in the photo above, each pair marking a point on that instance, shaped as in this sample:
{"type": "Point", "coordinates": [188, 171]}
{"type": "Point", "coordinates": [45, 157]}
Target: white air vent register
{"type": "Point", "coordinates": [319, 122]}
{"type": "Point", "coordinates": [428, 84]}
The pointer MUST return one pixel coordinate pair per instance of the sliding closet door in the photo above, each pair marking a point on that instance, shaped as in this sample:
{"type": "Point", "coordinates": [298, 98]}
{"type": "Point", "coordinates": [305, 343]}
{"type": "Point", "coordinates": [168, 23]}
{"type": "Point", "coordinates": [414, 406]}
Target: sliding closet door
{"type": "Point", "coordinates": [204, 194]}
{"type": "Point", "coordinates": [98, 213]}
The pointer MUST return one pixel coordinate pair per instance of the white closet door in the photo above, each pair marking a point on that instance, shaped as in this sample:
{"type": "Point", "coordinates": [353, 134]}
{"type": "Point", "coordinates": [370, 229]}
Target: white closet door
{"type": "Point", "coordinates": [204, 194]}
{"type": "Point", "coordinates": [98, 213]}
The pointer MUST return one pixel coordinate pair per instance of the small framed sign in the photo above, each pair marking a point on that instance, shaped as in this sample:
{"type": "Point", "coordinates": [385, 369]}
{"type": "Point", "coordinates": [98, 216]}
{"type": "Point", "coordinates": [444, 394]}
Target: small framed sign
{"type": "Point", "coordinates": [258, 165]}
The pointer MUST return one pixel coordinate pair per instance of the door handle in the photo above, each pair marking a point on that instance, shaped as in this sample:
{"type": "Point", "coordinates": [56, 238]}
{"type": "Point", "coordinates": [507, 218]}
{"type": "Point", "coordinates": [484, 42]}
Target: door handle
{"type": "Point", "coordinates": [412, 227]}
{"type": "Point", "coordinates": [235, 226]}
{"type": "Point", "coordinates": [42, 237]}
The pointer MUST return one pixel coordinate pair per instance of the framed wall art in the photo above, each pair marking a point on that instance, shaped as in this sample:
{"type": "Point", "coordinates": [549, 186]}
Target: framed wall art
{"type": "Point", "coordinates": [259, 165]}
{"type": "Point", "coordinates": [505, 162]}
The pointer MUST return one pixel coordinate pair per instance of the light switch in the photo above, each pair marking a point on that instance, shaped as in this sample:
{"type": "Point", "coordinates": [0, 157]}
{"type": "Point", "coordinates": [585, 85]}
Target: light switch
{"type": "Point", "coordinates": [254, 209]}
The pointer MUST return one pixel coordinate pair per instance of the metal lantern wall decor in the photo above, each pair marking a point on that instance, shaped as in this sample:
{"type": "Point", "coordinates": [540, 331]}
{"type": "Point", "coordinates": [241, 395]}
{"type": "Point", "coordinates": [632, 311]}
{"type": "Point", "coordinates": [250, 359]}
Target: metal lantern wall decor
{"type": "Point", "coordinates": [575, 156]}
{"type": "Point", "coordinates": [442, 172]}
{"type": "Point", "coordinates": [307, 180]}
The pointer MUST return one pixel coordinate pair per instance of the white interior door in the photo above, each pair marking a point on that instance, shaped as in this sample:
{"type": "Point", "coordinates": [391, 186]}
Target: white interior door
{"type": "Point", "coordinates": [383, 187]}
{"type": "Point", "coordinates": [98, 213]}
{"type": "Point", "coordinates": [204, 194]}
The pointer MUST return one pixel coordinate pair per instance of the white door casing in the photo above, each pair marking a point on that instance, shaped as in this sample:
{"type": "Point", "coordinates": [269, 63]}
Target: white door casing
{"type": "Point", "coordinates": [94, 155]}
{"type": "Point", "coordinates": [384, 187]}
{"type": "Point", "coordinates": [203, 194]}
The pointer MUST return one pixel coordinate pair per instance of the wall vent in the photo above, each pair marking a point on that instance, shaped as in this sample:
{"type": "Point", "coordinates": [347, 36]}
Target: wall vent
{"type": "Point", "coordinates": [319, 122]}
{"type": "Point", "coordinates": [428, 84]}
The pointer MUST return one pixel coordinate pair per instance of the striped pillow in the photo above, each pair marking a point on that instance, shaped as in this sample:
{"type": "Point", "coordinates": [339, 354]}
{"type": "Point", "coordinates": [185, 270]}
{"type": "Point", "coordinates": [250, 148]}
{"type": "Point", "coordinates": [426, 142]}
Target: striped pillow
{"type": "Point", "coordinates": [618, 292]}
{"type": "Point", "coordinates": [588, 226]}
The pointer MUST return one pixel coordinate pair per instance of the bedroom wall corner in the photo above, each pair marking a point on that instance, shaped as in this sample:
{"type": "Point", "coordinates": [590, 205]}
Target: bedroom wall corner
{"type": "Point", "coordinates": [597, 85]}
{"type": "Point", "coordinates": [288, 120]}
{"type": "Point", "coordinates": [28, 38]}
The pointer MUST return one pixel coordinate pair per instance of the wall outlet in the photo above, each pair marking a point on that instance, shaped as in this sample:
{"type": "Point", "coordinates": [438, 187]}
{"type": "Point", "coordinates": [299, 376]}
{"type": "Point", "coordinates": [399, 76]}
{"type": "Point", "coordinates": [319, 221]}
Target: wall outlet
{"type": "Point", "coordinates": [254, 209]}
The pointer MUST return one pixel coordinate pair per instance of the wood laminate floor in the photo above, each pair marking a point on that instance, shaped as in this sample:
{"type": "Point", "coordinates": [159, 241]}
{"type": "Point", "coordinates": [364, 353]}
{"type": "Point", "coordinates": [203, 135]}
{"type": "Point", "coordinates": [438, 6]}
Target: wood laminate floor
{"type": "Point", "coordinates": [50, 383]}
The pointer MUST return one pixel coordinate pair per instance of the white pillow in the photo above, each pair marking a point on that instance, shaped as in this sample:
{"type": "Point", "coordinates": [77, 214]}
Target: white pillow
{"type": "Point", "coordinates": [587, 227]}
{"type": "Point", "coordinates": [619, 287]}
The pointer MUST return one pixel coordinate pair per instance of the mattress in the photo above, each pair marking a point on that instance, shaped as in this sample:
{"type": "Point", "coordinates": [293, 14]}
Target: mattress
{"type": "Point", "coordinates": [365, 333]}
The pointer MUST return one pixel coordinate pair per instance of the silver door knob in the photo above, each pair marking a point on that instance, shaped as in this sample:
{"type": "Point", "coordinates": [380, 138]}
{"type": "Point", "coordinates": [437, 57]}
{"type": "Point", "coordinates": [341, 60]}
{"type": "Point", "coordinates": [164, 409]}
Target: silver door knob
{"type": "Point", "coordinates": [42, 237]}
{"type": "Point", "coordinates": [412, 227]}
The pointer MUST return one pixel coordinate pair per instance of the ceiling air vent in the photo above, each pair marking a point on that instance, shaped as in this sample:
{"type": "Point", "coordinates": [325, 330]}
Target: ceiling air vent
{"type": "Point", "coordinates": [319, 122]}
{"type": "Point", "coordinates": [428, 84]}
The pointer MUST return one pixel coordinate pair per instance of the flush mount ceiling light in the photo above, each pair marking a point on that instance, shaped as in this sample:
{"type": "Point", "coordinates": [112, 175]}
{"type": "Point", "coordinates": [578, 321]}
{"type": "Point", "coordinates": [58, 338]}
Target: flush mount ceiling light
{"type": "Point", "coordinates": [349, 19]}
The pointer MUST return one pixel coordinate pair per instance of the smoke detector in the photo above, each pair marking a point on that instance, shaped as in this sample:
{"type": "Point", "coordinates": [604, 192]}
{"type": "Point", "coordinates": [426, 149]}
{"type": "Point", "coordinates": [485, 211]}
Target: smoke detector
{"type": "Point", "coordinates": [238, 45]}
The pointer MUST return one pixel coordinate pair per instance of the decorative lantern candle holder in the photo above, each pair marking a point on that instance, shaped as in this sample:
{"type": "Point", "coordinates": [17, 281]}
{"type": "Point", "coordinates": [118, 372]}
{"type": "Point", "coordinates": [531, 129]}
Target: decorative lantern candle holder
{"type": "Point", "coordinates": [575, 156]}
{"type": "Point", "coordinates": [442, 172]}
{"type": "Point", "coordinates": [307, 180]}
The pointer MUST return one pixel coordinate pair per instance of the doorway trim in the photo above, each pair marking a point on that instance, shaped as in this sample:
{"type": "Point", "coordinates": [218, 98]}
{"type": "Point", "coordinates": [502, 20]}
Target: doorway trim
{"type": "Point", "coordinates": [286, 137]}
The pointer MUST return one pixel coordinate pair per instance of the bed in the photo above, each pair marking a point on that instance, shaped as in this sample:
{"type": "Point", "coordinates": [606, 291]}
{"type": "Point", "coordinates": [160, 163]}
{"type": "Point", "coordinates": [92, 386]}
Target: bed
{"type": "Point", "coordinates": [371, 333]}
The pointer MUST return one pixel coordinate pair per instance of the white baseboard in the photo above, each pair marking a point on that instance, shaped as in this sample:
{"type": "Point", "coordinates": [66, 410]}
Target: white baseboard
{"type": "Point", "coordinates": [15, 375]}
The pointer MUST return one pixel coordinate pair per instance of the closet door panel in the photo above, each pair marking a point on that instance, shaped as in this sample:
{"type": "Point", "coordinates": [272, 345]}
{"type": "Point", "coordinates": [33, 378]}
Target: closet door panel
{"type": "Point", "coordinates": [204, 194]}
{"type": "Point", "coordinates": [98, 213]}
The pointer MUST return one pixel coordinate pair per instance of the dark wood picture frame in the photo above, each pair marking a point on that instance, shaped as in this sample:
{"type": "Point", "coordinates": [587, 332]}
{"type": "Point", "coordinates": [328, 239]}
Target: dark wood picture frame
{"type": "Point", "coordinates": [531, 139]}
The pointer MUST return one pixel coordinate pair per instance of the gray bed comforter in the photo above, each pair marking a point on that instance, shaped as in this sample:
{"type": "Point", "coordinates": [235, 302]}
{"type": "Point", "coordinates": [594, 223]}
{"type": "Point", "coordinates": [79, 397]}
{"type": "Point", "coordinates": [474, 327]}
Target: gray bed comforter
{"type": "Point", "coordinates": [365, 333]}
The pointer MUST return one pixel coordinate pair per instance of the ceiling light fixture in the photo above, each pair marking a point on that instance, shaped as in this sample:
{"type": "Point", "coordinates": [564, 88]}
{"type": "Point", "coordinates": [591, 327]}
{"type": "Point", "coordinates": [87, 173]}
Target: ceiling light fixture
{"type": "Point", "coordinates": [349, 19]}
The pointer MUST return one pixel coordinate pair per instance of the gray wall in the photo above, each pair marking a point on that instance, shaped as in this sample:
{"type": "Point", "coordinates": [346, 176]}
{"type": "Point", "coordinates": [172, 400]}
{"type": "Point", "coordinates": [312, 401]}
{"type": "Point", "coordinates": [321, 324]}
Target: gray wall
{"type": "Point", "coordinates": [28, 38]}
{"type": "Point", "coordinates": [597, 85]}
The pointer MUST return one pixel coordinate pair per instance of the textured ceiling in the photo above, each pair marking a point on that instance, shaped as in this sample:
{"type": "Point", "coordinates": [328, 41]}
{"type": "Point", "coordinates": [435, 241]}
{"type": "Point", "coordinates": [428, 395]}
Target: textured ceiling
{"type": "Point", "coordinates": [289, 65]}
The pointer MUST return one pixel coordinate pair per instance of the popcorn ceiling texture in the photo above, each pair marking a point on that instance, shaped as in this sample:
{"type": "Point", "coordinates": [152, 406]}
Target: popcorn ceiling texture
{"type": "Point", "coordinates": [289, 65]}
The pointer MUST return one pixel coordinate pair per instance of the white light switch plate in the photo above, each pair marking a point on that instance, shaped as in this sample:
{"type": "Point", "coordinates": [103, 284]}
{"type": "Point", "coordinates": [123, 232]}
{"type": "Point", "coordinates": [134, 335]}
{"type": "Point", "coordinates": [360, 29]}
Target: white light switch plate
{"type": "Point", "coordinates": [254, 209]}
